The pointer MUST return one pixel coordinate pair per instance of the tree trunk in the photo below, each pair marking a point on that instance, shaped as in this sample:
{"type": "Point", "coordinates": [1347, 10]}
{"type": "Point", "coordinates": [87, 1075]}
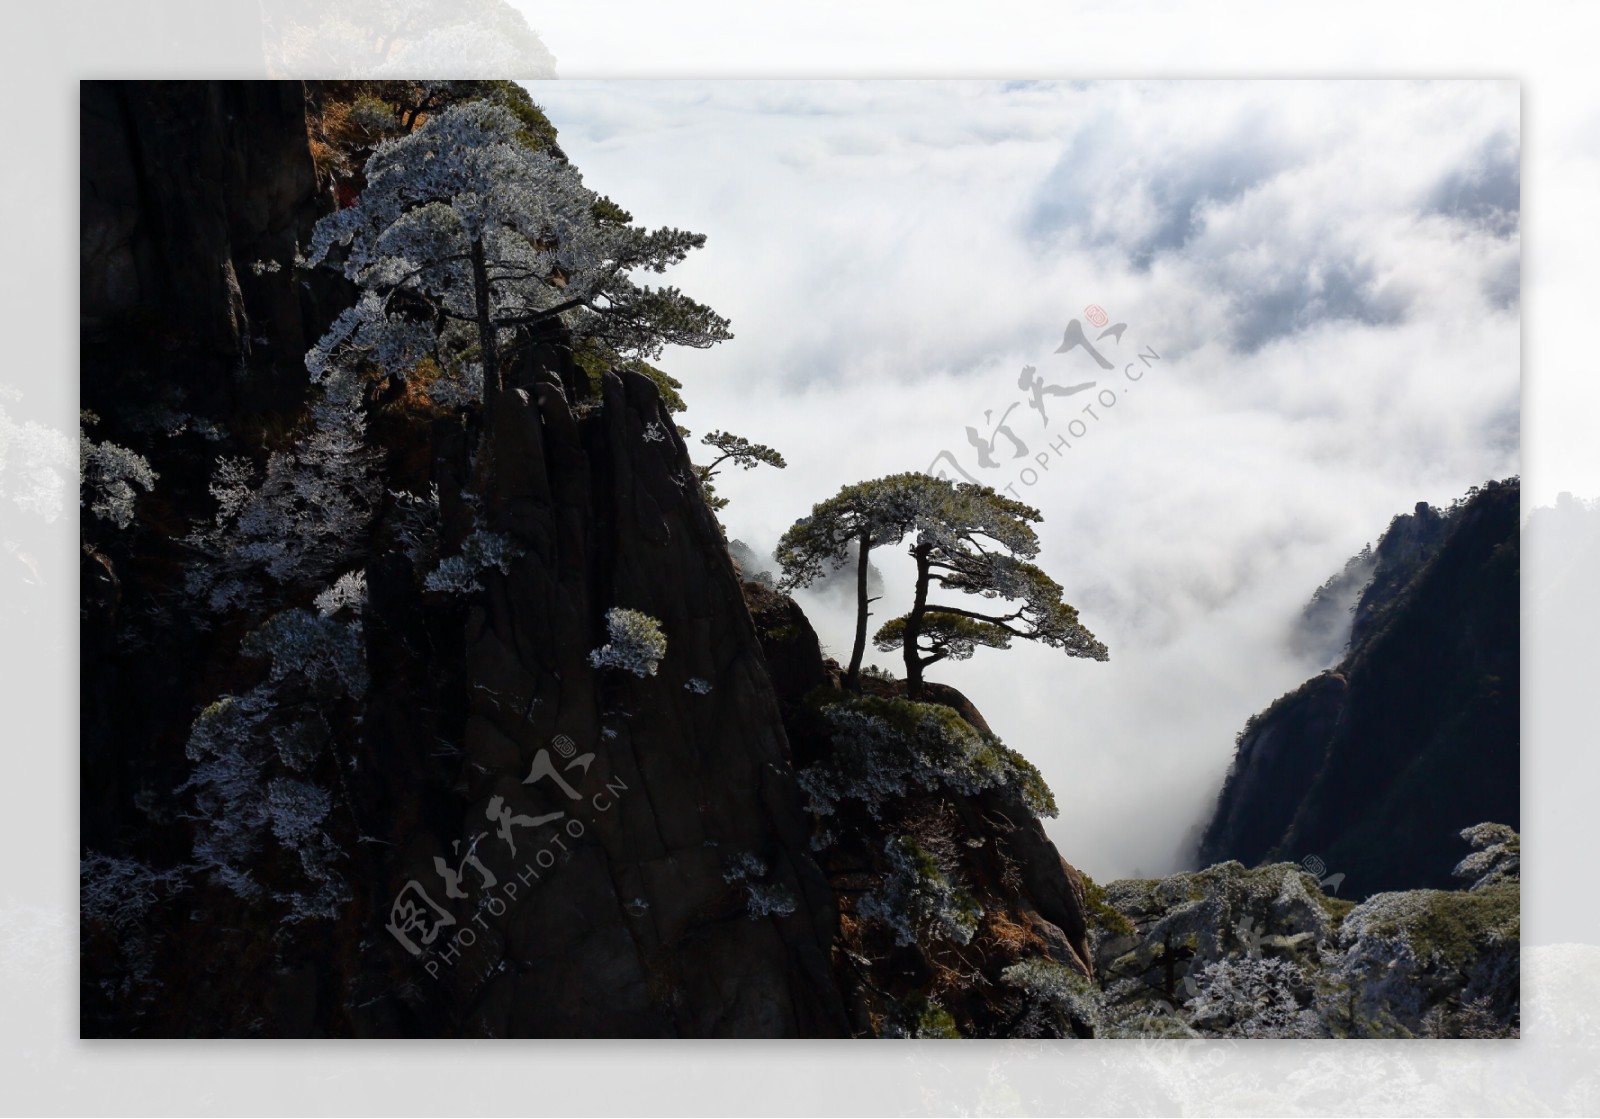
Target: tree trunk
{"type": "Point", "coordinates": [913, 631]}
{"type": "Point", "coordinates": [486, 338]}
{"type": "Point", "coordinates": [852, 679]}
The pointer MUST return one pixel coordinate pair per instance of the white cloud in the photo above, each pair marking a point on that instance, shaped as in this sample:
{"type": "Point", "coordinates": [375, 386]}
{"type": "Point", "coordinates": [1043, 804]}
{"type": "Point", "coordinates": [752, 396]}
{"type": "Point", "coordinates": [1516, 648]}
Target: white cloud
{"type": "Point", "coordinates": [1327, 269]}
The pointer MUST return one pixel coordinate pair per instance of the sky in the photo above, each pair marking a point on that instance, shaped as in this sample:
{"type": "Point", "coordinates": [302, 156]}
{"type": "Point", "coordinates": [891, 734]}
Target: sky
{"type": "Point", "coordinates": [1324, 281]}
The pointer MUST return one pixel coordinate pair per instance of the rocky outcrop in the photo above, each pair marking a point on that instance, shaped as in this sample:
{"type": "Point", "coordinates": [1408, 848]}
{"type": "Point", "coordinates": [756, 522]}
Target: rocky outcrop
{"type": "Point", "coordinates": [1374, 766]}
{"type": "Point", "coordinates": [958, 915]}
{"type": "Point", "coordinates": [1264, 952]}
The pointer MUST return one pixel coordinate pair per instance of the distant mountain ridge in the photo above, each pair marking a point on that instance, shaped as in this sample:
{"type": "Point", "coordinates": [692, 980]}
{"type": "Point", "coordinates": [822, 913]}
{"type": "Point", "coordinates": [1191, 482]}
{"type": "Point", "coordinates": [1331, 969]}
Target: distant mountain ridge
{"type": "Point", "coordinates": [1375, 765]}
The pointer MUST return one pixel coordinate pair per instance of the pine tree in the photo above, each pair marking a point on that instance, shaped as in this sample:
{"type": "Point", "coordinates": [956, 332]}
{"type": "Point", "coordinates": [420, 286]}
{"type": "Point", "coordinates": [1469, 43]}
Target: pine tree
{"type": "Point", "coordinates": [862, 516]}
{"type": "Point", "coordinates": [971, 539]}
{"type": "Point", "coordinates": [470, 238]}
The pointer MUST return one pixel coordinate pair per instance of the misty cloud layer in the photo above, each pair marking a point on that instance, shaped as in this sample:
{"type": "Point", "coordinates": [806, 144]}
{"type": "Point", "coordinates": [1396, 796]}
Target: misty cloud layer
{"type": "Point", "coordinates": [1329, 273]}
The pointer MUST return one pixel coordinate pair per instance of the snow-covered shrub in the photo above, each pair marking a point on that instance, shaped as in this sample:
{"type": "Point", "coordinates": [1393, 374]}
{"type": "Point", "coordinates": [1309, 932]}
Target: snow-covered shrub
{"type": "Point", "coordinates": [227, 749]}
{"type": "Point", "coordinates": [299, 739]}
{"type": "Point", "coordinates": [920, 1018]}
{"type": "Point", "coordinates": [107, 474]}
{"type": "Point", "coordinates": [416, 525]}
{"type": "Point", "coordinates": [373, 116]}
{"type": "Point", "coordinates": [744, 866]}
{"type": "Point", "coordinates": [1473, 1020]}
{"type": "Point", "coordinates": [458, 388]}
{"type": "Point", "coordinates": [636, 643]}
{"type": "Point", "coordinates": [888, 748]}
{"type": "Point", "coordinates": [1496, 856]}
{"type": "Point", "coordinates": [761, 898]}
{"type": "Point", "coordinates": [326, 652]}
{"type": "Point", "coordinates": [349, 591]}
{"type": "Point", "coordinates": [254, 754]}
{"type": "Point", "coordinates": [917, 898]}
{"type": "Point", "coordinates": [480, 551]}
{"type": "Point", "coordinates": [1150, 1019]}
{"type": "Point", "coordinates": [698, 686]}
{"type": "Point", "coordinates": [116, 898]}
{"type": "Point", "coordinates": [1057, 995]}
{"type": "Point", "coordinates": [1256, 997]}
{"type": "Point", "coordinates": [121, 891]}
{"type": "Point", "coordinates": [297, 810]}
{"type": "Point", "coordinates": [1398, 950]}
{"type": "Point", "coordinates": [247, 812]}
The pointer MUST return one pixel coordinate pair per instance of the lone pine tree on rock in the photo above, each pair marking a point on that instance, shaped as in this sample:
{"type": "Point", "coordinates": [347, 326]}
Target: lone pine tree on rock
{"type": "Point", "coordinates": [966, 538]}
{"type": "Point", "coordinates": [972, 540]}
{"type": "Point", "coordinates": [861, 516]}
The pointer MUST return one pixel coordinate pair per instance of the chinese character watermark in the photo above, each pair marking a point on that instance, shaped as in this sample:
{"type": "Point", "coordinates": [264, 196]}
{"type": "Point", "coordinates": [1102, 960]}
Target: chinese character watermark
{"type": "Point", "coordinates": [998, 445]}
{"type": "Point", "coordinates": [416, 920]}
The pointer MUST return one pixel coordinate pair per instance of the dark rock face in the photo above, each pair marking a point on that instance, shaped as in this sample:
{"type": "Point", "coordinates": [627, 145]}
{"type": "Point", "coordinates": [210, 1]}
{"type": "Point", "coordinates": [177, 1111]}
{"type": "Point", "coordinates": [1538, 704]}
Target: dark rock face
{"type": "Point", "coordinates": [194, 197]}
{"type": "Point", "coordinates": [1273, 772]}
{"type": "Point", "coordinates": [1411, 540]}
{"type": "Point", "coordinates": [636, 929]}
{"type": "Point", "coordinates": [1375, 766]}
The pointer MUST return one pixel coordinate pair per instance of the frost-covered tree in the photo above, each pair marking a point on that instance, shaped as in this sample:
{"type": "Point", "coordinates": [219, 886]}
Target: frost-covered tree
{"type": "Point", "coordinates": [260, 760]}
{"type": "Point", "coordinates": [972, 540]}
{"type": "Point", "coordinates": [467, 239]}
{"type": "Point", "coordinates": [1056, 997]}
{"type": "Point", "coordinates": [1254, 997]}
{"type": "Point", "coordinates": [918, 899]}
{"type": "Point", "coordinates": [735, 449]}
{"type": "Point", "coordinates": [108, 474]}
{"type": "Point", "coordinates": [1496, 856]}
{"type": "Point", "coordinates": [859, 517]}
{"type": "Point", "coordinates": [303, 519]}
{"type": "Point", "coordinates": [965, 538]}
{"type": "Point", "coordinates": [637, 643]}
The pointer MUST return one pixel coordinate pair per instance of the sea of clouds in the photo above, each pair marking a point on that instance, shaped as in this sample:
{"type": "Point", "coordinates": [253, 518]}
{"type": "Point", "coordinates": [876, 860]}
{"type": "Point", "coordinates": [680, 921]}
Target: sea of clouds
{"type": "Point", "coordinates": [1329, 272]}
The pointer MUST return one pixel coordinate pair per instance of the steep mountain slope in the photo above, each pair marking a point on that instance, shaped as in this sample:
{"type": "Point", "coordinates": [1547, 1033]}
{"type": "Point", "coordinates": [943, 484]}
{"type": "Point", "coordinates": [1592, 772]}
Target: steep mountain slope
{"type": "Point", "coordinates": [1377, 764]}
{"type": "Point", "coordinates": [403, 716]}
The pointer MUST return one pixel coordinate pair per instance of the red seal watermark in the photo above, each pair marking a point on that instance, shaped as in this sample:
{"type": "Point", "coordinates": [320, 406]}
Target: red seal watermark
{"type": "Point", "coordinates": [1096, 315]}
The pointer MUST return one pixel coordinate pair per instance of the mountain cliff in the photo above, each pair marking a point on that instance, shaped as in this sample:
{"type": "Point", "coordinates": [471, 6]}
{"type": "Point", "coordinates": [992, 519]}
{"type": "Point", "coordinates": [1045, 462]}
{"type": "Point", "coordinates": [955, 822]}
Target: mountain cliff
{"type": "Point", "coordinates": [405, 716]}
{"type": "Point", "coordinates": [1375, 765]}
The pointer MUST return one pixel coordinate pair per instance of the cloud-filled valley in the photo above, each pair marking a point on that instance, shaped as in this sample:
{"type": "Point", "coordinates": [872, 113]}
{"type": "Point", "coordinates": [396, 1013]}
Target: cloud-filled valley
{"type": "Point", "coordinates": [1328, 271]}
